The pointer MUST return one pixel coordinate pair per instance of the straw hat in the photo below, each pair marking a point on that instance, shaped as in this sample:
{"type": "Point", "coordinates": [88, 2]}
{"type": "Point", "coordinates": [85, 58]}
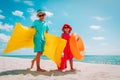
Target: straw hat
{"type": "Point", "coordinates": [40, 12]}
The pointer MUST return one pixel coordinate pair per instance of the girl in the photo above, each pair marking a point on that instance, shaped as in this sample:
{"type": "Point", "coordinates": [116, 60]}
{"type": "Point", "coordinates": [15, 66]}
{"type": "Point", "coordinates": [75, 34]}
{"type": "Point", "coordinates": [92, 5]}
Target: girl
{"type": "Point", "coordinates": [67, 53]}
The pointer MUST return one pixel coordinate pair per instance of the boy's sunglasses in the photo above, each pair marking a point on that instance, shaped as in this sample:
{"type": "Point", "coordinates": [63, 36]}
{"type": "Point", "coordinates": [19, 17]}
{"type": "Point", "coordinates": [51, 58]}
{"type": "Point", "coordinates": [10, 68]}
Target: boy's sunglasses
{"type": "Point", "coordinates": [41, 15]}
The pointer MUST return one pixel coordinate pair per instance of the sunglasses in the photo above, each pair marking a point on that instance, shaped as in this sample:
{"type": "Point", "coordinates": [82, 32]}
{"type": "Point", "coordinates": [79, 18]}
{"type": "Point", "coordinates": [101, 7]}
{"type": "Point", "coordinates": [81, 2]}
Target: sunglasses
{"type": "Point", "coordinates": [41, 15]}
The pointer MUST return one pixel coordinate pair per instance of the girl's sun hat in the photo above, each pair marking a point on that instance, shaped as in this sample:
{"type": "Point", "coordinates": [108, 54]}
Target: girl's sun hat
{"type": "Point", "coordinates": [66, 26]}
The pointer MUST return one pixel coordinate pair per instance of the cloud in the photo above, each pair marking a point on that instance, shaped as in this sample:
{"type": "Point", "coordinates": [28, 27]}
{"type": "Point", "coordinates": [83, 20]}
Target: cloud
{"type": "Point", "coordinates": [49, 22]}
{"type": "Point", "coordinates": [33, 16]}
{"type": "Point", "coordinates": [18, 13]}
{"type": "Point", "coordinates": [30, 10]}
{"type": "Point", "coordinates": [103, 44]}
{"type": "Point", "coordinates": [30, 3]}
{"type": "Point", "coordinates": [98, 18]}
{"type": "Point", "coordinates": [65, 14]}
{"type": "Point", "coordinates": [49, 14]}
{"type": "Point", "coordinates": [6, 27]}
{"type": "Point", "coordinates": [98, 38]}
{"type": "Point", "coordinates": [2, 17]}
{"type": "Point", "coordinates": [45, 8]}
{"type": "Point", "coordinates": [4, 38]}
{"type": "Point", "coordinates": [95, 27]}
{"type": "Point", "coordinates": [32, 13]}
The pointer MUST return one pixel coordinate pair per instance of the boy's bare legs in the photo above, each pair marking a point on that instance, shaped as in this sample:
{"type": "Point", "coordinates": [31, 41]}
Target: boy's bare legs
{"type": "Point", "coordinates": [38, 61]}
{"type": "Point", "coordinates": [33, 61]}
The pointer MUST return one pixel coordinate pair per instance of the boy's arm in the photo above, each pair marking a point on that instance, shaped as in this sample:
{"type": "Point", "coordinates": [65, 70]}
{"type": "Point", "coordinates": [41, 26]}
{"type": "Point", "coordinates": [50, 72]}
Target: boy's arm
{"type": "Point", "coordinates": [46, 31]}
{"type": "Point", "coordinates": [32, 26]}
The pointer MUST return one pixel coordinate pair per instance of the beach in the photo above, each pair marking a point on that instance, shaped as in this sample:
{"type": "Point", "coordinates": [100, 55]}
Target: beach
{"type": "Point", "coordinates": [19, 69]}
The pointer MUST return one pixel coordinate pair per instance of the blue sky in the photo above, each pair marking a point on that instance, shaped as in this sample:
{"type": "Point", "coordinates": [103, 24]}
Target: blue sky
{"type": "Point", "coordinates": [97, 21]}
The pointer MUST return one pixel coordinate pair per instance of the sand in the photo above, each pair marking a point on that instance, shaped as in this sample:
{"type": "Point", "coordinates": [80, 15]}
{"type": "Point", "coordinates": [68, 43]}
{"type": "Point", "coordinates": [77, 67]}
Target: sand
{"type": "Point", "coordinates": [19, 69]}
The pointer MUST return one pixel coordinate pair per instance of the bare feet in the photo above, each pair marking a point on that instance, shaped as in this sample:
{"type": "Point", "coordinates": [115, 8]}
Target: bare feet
{"type": "Point", "coordinates": [41, 70]}
{"type": "Point", "coordinates": [72, 69]}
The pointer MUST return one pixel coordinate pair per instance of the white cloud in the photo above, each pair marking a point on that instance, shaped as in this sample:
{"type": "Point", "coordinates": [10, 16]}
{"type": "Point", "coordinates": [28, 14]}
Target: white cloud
{"type": "Point", "coordinates": [98, 38]}
{"type": "Point", "coordinates": [18, 13]}
{"type": "Point", "coordinates": [4, 38]}
{"type": "Point", "coordinates": [45, 8]}
{"type": "Point", "coordinates": [49, 14]}
{"type": "Point", "coordinates": [30, 10]}
{"type": "Point", "coordinates": [65, 14]}
{"type": "Point", "coordinates": [33, 16]}
{"type": "Point", "coordinates": [32, 13]}
{"type": "Point", "coordinates": [30, 3]}
{"type": "Point", "coordinates": [98, 18]}
{"type": "Point", "coordinates": [2, 17]}
{"type": "Point", "coordinates": [103, 44]}
{"type": "Point", "coordinates": [95, 27]}
{"type": "Point", "coordinates": [6, 27]}
{"type": "Point", "coordinates": [49, 22]}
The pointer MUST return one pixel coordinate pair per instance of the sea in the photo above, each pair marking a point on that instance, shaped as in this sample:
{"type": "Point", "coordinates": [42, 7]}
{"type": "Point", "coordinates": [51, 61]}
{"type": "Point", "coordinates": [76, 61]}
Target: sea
{"type": "Point", "coordinates": [98, 59]}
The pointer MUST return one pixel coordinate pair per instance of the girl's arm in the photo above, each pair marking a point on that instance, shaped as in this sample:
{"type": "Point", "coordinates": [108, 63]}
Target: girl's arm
{"type": "Point", "coordinates": [62, 35]}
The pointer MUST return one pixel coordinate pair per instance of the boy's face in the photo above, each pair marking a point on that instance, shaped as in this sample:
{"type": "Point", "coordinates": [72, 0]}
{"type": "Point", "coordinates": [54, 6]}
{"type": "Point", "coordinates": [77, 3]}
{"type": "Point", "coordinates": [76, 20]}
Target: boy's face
{"type": "Point", "coordinates": [41, 17]}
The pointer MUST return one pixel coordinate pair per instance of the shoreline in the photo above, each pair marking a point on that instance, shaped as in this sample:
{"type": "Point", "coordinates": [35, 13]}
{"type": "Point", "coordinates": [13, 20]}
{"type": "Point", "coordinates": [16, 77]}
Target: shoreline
{"type": "Point", "coordinates": [17, 69]}
{"type": "Point", "coordinates": [93, 59]}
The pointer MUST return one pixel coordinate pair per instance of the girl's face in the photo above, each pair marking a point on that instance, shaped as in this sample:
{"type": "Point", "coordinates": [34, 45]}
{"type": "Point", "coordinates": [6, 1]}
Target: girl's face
{"type": "Point", "coordinates": [66, 29]}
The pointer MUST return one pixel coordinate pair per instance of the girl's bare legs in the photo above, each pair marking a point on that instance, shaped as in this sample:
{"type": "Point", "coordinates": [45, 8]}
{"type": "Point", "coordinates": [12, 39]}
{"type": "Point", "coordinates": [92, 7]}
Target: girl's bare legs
{"type": "Point", "coordinates": [71, 64]}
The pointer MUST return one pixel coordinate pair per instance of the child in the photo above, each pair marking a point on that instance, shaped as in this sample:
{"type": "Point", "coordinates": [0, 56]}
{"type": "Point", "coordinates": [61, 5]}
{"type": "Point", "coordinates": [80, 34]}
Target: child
{"type": "Point", "coordinates": [39, 41]}
{"type": "Point", "coordinates": [67, 53]}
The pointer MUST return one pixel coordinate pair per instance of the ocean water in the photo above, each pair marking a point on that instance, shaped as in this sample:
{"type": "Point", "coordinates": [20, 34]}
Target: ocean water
{"type": "Point", "coordinates": [102, 59]}
{"type": "Point", "coordinates": [99, 59]}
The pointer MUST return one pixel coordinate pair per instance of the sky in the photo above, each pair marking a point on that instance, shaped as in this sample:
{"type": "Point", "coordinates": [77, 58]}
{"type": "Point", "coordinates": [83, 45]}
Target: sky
{"type": "Point", "coordinates": [96, 21]}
